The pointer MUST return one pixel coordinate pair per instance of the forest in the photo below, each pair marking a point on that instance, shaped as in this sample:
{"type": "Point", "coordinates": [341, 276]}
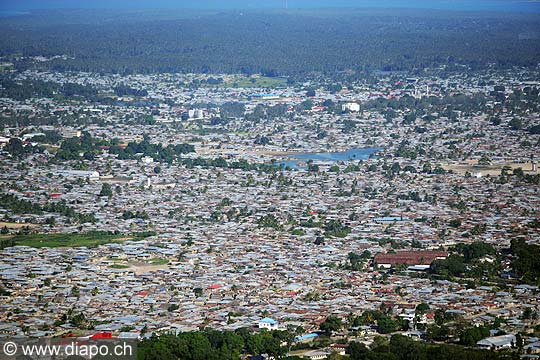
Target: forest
{"type": "Point", "coordinates": [269, 42]}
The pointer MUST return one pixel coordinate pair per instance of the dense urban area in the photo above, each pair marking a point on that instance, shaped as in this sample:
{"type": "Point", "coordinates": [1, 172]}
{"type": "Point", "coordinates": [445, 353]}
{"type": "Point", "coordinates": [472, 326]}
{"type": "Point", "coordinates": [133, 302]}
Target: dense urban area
{"type": "Point", "coordinates": [389, 214]}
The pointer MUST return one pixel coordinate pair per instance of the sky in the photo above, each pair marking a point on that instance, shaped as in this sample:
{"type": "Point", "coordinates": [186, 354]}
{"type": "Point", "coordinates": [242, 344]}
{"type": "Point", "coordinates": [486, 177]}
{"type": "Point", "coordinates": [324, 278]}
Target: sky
{"type": "Point", "coordinates": [474, 5]}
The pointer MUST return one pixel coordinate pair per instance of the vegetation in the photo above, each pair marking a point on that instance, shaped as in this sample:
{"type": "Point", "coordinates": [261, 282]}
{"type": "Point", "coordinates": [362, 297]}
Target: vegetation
{"type": "Point", "coordinates": [472, 335]}
{"type": "Point", "coordinates": [211, 344]}
{"type": "Point", "coordinates": [475, 250]}
{"type": "Point", "coordinates": [72, 148]}
{"type": "Point", "coordinates": [21, 206]}
{"type": "Point", "coordinates": [119, 266]}
{"type": "Point", "coordinates": [468, 262]}
{"type": "Point", "coordinates": [106, 190]}
{"type": "Point", "coordinates": [90, 239]}
{"type": "Point", "coordinates": [336, 228]}
{"type": "Point", "coordinates": [403, 348]}
{"type": "Point", "coordinates": [526, 261]}
{"type": "Point", "coordinates": [232, 43]}
{"type": "Point", "coordinates": [155, 151]}
{"type": "Point", "coordinates": [330, 324]}
{"type": "Point", "coordinates": [357, 262]}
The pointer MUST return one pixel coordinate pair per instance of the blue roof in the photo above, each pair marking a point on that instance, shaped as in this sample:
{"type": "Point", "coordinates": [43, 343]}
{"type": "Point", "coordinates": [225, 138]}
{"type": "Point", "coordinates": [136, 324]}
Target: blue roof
{"type": "Point", "coordinates": [390, 218]}
{"type": "Point", "coordinates": [263, 95]}
{"type": "Point", "coordinates": [269, 321]}
{"type": "Point", "coordinates": [307, 336]}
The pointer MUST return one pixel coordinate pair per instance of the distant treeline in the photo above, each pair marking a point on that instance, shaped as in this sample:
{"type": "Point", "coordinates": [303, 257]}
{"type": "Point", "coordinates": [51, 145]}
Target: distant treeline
{"type": "Point", "coordinates": [273, 43]}
{"type": "Point", "coordinates": [27, 89]}
{"type": "Point", "coordinates": [157, 151]}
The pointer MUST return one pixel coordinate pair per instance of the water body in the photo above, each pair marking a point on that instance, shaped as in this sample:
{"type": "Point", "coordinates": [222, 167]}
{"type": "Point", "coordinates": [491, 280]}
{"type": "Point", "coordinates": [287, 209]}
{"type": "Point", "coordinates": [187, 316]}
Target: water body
{"type": "Point", "coordinates": [298, 160]}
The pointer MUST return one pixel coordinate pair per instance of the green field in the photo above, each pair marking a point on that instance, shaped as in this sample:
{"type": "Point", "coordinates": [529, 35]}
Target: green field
{"type": "Point", "coordinates": [258, 81]}
{"type": "Point", "coordinates": [158, 261]}
{"type": "Point", "coordinates": [119, 266]}
{"type": "Point", "coordinates": [91, 239]}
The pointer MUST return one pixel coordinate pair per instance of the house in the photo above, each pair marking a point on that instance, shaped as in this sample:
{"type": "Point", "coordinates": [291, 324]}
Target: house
{"type": "Point", "coordinates": [268, 323]}
{"type": "Point", "coordinates": [364, 330]}
{"type": "Point", "coordinates": [414, 334]}
{"type": "Point", "coordinates": [390, 219]}
{"type": "Point", "coordinates": [339, 348]}
{"type": "Point", "coordinates": [353, 107]}
{"type": "Point", "coordinates": [315, 355]}
{"type": "Point", "coordinates": [307, 337]}
{"type": "Point", "coordinates": [414, 258]}
{"type": "Point", "coordinates": [533, 347]}
{"type": "Point", "coordinates": [497, 342]}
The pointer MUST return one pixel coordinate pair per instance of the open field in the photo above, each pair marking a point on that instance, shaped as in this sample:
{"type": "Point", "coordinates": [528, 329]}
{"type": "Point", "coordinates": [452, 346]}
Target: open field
{"type": "Point", "coordinates": [141, 267]}
{"type": "Point", "coordinates": [494, 169]}
{"type": "Point", "coordinates": [119, 266]}
{"type": "Point", "coordinates": [115, 179]}
{"type": "Point", "coordinates": [11, 225]}
{"type": "Point", "coordinates": [92, 239]}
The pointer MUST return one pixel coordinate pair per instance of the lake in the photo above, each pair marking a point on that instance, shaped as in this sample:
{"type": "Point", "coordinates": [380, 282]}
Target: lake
{"type": "Point", "coordinates": [348, 155]}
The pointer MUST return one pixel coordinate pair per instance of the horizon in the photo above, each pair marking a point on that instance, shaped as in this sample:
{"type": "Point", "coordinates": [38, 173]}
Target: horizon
{"type": "Point", "coordinates": [458, 5]}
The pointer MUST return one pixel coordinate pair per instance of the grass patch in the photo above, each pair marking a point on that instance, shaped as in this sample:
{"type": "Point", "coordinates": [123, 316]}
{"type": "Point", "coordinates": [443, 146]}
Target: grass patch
{"type": "Point", "coordinates": [119, 266]}
{"type": "Point", "coordinates": [158, 261]}
{"type": "Point", "coordinates": [90, 239]}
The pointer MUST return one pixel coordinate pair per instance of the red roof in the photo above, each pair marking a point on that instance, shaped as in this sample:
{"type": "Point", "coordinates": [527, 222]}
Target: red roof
{"type": "Point", "coordinates": [214, 286]}
{"type": "Point", "coordinates": [142, 293]}
{"type": "Point", "coordinates": [102, 335]}
{"type": "Point", "coordinates": [55, 194]}
{"type": "Point", "coordinates": [410, 257]}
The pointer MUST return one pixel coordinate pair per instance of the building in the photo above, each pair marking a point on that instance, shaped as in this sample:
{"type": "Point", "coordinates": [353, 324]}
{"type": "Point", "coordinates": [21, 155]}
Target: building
{"type": "Point", "coordinates": [315, 355]}
{"type": "Point", "coordinates": [70, 133]}
{"type": "Point", "coordinates": [74, 174]}
{"type": "Point", "coordinates": [268, 323]}
{"type": "Point", "coordinates": [390, 219]}
{"type": "Point", "coordinates": [195, 114]}
{"type": "Point", "coordinates": [411, 258]}
{"type": "Point", "coordinates": [353, 107]}
{"type": "Point", "coordinates": [264, 96]}
{"type": "Point", "coordinates": [497, 342]}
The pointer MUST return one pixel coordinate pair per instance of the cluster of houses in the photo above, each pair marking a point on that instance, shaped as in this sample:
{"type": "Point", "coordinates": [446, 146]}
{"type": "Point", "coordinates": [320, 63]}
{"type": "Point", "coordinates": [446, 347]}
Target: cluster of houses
{"type": "Point", "coordinates": [213, 261]}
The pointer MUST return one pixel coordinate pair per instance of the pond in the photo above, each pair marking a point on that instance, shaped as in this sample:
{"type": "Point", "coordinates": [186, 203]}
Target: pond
{"type": "Point", "coordinates": [298, 160]}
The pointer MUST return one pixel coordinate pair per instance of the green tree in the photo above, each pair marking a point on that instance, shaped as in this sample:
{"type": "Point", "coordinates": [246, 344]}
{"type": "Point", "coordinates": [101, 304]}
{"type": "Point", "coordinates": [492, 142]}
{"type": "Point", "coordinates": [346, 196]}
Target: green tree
{"type": "Point", "coordinates": [15, 147]}
{"type": "Point", "coordinates": [421, 308]}
{"type": "Point", "coordinates": [106, 190]}
{"type": "Point", "coordinates": [330, 324]}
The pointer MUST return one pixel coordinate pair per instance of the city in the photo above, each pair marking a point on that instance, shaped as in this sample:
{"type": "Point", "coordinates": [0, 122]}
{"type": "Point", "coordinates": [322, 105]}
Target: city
{"type": "Point", "coordinates": [327, 216]}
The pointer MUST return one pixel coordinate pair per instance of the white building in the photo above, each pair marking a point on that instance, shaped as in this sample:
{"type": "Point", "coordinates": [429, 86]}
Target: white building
{"type": "Point", "coordinates": [73, 174]}
{"type": "Point", "coordinates": [268, 323]}
{"type": "Point", "coordinates": [354, 107]}
{"type": "Point", "coordinates": [497, 342]}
